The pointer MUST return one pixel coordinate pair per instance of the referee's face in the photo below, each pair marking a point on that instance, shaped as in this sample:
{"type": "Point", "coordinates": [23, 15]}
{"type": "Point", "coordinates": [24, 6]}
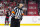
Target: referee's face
{"type": "Point", "coordinates": [20, 5]}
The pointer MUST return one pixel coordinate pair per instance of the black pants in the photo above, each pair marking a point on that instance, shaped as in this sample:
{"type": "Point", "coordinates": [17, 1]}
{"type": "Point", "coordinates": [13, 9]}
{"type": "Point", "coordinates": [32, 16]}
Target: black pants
{"type": "Point", "coordinates": [15, 23]}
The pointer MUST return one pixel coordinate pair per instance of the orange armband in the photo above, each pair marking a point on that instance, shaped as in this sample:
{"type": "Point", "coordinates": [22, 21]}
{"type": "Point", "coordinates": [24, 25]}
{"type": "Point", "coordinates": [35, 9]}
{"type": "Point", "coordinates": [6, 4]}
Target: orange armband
{"type": "Point", "coordinates": [22, 14]}
{"type": "Point", "coordinates": [13, 12]}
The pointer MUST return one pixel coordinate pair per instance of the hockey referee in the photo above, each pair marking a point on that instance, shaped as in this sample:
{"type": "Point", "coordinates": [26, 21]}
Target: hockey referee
{"type": "Point", "coordinates": [16, 15]}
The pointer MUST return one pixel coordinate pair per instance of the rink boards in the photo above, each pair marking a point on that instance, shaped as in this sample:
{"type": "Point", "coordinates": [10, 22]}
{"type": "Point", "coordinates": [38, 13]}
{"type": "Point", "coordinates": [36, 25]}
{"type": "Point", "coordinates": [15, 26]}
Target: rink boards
{"type": "Point", "coordinates": [26, 21]}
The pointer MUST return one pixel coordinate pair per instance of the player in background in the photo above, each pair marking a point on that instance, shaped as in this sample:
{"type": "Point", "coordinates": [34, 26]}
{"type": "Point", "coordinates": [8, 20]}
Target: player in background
{"type": "Point", "coordinates": [7, 17]}
{"type": "Point", "coordinates": [16, 15]}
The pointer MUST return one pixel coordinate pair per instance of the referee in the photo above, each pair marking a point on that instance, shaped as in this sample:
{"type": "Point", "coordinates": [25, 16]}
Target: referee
{"type": "Point", "coordinates": [16, 15]}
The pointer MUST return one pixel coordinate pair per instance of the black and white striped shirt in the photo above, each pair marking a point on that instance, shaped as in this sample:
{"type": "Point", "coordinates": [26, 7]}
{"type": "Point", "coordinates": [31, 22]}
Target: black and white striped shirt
{"type": "Point", "coordinates": [18, 12]}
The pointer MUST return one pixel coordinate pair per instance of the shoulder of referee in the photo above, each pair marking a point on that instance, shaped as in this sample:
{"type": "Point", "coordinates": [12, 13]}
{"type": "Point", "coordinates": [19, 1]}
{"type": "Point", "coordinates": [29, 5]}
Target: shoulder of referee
{"type": "Point", "coordinates": [13, 10]}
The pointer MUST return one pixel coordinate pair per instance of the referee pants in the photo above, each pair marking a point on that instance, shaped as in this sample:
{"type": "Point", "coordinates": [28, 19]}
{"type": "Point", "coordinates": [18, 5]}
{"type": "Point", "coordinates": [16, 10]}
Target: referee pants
{"type": "Point", "coordinates": [15, 23]}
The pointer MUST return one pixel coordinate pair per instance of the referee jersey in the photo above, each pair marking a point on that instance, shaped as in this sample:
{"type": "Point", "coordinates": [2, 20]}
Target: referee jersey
{"type": "Point", "coordinates": [17, 12]}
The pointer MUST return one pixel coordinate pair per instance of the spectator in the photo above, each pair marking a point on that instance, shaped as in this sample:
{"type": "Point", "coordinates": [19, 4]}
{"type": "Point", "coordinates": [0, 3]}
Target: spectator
{"type": "Point", "coordinates": [0, 5]}
{"type": "Point", "coordinates": [25, 10]}
{"type": "Point", "coordinates": [11, 0]}
{"type": "Point", "coordinates": [14, 3]}
{"type": "Point", "coordinates": [5, 2]}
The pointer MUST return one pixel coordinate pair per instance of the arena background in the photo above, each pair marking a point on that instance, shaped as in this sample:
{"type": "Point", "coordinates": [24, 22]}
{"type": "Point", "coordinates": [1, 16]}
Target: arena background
{"type": "Point", "coordinates": [31, 11]}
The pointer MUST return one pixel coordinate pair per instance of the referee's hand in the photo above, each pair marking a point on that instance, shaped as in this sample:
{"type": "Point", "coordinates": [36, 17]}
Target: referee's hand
{"type": "Point", "coordinates": [19, 20]}
{"type": "Point", "coordinates": [16, 17]}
